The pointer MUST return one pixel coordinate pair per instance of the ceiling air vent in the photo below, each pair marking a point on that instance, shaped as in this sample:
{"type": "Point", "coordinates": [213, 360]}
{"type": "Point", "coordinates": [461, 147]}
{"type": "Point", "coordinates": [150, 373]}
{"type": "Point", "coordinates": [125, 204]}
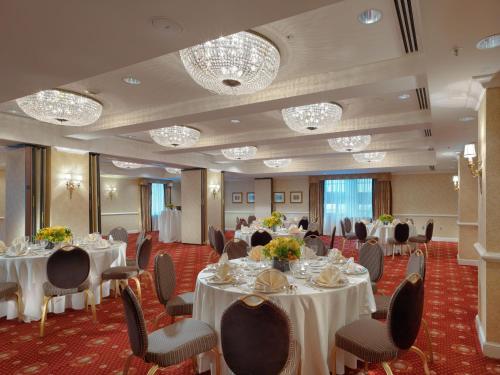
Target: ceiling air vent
{"type": "Point", "coordinates": [422, 98]}
{"type": "Point", "coordinates": [404, 11]}
{"type": "Point", "coordinates": [428, 132]}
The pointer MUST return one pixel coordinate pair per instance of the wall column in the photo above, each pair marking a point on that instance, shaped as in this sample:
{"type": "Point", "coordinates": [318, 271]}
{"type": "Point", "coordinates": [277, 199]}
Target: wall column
{"type": "Point", "coordinates": [215, 201]}
{"type": "Point", "coordinates": [467, 215]}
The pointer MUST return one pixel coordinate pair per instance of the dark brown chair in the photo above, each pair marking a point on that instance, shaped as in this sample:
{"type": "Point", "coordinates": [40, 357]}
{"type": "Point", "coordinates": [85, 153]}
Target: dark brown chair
{"type": "Point", "coordinates": [251, 219]}
{"type": "Point", "coordinates": [241, 223]}
{"type": "Point", "coordinates": [68, 270]}
{"type": "Point", "coordinates": [251, 328]}
{"type": "Point", "coordinates": [316, 243]}
{"type": "Point", "coordinates": [371, 256]}
{"type": "Point", "coordinates": [138, 242]}
{"type": "Point", "coordinates": [311, 233]}
{"type": "Point", "coordinates": [119, 234]}
{"type": "Point", "coordinates": [211, 240]}
{"type": "Point", "coordinates": [401, 235]}
{"type": "Point", "coordinates": [348, 225]}
{"type": "Point", "coordinates": [424, 239]}
{"type": "Point", "coordinates": [332, 240]}
{"type": "Point", "coordinates": [304, 223]}
{"type": "Point", "coordinates": [376, 342]}
{"type": "Point", "coordinates": [260, 237]}
{"type": "Point", "coordinates": [175, 305]}
{"type": "Point", "coordinates": [169, 345]}
{"type": "Point", "coordinates": [11, 289]}
{"type": "Point", "coordinates": [346, 236]}
{"type": "Point", "coordinates": [219, 241]}
{"type": "Point", "coordinates": [362, 233]}
{"type": "Point", "coordinates": [236, 248]}
{"type": "Point", "coordinates": [125, 273]}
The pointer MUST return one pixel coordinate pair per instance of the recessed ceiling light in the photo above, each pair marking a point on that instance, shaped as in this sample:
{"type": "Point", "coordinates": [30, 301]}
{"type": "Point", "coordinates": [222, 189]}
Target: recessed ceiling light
{"type": "Point", "coordinates": [489, 42]}
{"type": "Point", "coordinates": [466, 118]}
{"type": "Point", "coordinates": [235, 121]}
{"type": "Point", "coordinates": [370, 16]}
{"type": "Point", "coordinates": [404, 96]}
{"type": "Point", "coordinates": [131, 80]}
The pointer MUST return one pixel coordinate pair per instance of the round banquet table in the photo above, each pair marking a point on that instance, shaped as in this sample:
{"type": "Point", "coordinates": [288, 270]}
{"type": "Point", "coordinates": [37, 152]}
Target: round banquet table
{"type": "Point", "coordinates": [316, 314]}
{"type": "Point", "coordinates": [30, 272]}
{"type": "Point", "coordinates": [247, 236]}
{"type": "Point", "coordinates": [169, 225]}
{"type": "Point", "coordinates": [386, 232]}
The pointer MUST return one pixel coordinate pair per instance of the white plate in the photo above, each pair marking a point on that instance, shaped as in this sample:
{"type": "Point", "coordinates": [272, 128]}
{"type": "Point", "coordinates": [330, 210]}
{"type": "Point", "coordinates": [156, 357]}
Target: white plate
{"type": "Point", "coordinates": [340, 285]}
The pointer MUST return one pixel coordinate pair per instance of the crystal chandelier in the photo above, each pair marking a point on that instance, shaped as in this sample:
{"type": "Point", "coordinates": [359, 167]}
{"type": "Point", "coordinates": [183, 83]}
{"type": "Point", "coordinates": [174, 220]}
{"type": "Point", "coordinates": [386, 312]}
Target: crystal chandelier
{"type": "Point", "coordinates": [126, 164]}
{"type": "Point", "coordinates": [277, 163]}
{"type": "Point", "coordinates": [369, 157]}
{"type": "Point", "coordinates": [240, 153]}
{"type": "Point", "coordinates": [350, 144]}
{"type": "Point", "coordinates": [173, 170]}
{"type": "Point", "coordinates": [313, 117]}
{"type": "Point", "coordinates": [175, 136]}
{"type": "Point", "coordinates": [241, 63]}
{"type": "Point", "coordinates": [61, 107]}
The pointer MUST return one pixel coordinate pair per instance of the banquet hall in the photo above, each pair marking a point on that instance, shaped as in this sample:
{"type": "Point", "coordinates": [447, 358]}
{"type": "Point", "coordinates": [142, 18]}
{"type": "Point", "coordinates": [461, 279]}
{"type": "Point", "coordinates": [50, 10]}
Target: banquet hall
{"type": "Point", "coordinates": [250, 187]}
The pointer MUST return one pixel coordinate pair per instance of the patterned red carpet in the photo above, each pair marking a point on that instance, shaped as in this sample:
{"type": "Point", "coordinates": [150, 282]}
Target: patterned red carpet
{"type": "Point", "coordinates": [75, 345]}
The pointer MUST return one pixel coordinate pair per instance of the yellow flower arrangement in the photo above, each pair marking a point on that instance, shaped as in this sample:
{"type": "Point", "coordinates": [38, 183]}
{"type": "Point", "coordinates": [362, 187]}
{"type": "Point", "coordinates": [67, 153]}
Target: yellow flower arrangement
{"type": "Point", "coordinates": [275, 220]}
{"type": "Point", "coordinates": [54, 234]}
{"type": "Point", "coordinates": [283, 248]}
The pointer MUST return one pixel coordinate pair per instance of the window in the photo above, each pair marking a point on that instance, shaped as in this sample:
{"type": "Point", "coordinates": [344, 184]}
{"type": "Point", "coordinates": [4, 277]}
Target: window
{"type": "Point", "coordinates": [346, 198]}
{"type": "Point", "coordinates": [157, 199]}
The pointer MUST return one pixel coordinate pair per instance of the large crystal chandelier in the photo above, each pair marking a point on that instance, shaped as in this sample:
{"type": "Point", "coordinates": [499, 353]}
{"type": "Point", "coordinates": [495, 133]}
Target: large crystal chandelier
{"type": "Point", "coordinates": [313, 117]}
{"type": "Point", "coordinates": [277, 163]}
{"type": "Point", "coordinates": [240, 153]}
{"type": "Point", "coordinates": [350, 144]}
{"type": "Point", "coordinates": [369, 157]}
{"type": "Point", "coordinates": [241, 63]}
{"type": "Point", "coordinates": [173, 170]}
{"type": "Point", "coordinates": [175, 136]}
{"type": "Point", "coordinates": [61, 107]}
{"type": "Point", "coordinates": [126, 164]}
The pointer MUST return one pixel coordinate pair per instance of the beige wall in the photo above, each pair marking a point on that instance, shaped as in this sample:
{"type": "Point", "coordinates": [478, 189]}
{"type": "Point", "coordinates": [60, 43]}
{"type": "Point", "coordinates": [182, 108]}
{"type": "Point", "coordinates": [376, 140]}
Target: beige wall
{"type": "Point", "coordinates": [176, 193]}
{"type": "Point", "coordinates": [15, 186]}
{"type": "Point", "coordinates": [124, 208]}
{"type": "Point", "coordinates": [287, 185]}
{"type": "Point", "coordinates": [2, 204]}
{"type": "Point", "coordinates": [424, 196]}
{"type": "Point", "coordinates": [191, 188]}
{"type": "Point", "coordinates": [233, 210]}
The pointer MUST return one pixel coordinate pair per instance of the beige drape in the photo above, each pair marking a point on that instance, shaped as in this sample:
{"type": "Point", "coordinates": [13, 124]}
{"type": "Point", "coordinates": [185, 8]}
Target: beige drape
{"type": "Point", "coordinates": [382, 198]}
{"type": "Point", "coordinates": [94, 193]}
{"type": "Point", "coordinates": [316, 190]}
{"type": "Point", "coordinates": [146, 206]}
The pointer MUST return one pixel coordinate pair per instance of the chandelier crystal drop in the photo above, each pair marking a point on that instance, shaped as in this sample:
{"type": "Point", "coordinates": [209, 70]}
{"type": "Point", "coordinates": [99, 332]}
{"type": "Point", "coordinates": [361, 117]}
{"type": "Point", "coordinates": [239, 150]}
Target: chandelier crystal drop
{"type": "Point", "coordinates": [350, 144]}
{"type": "Point", "coordinates": [61, 107]}
{"type": "Point", "coordinates": [277, 163]}
{"type": "Point", "coordinates": [126, 164]}
{"type": "Point", "coordinates": [241, 63]}
{"type": "Point", "coordinates": [369, 157]}
{"type": "Point", "coordinates": [313, 117]}
{"type": "Point", "coordinates": [240, 153]}
{"type": "Point", "coordinates": [175, 136]}
{"type": "Point", "coordinates": [173, 170]}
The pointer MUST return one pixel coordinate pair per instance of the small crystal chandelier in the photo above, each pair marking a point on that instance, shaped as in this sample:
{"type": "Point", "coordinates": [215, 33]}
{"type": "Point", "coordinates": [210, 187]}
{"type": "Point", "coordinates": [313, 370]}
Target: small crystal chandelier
{"type": "Point", "coordinates": [240, 153]}
{"type": "Point", "coordinates": [350, 144]}
{"type": "Point", "coordinates": [313, 117]}
{"type": "Point", "coordinates": [126, 164]}
{"type": "Point", "coordinates": [277, 163]}
{"type": "Point", "coordinates": [369, 157]}
{"type": "Point", "coordinates": [241, 63]}
{"type": "Point", "coordinates": [175, 136]}
{"type": "Point", "coordinates": [61, 107]}
{"type": "Point", "coordinates": [173, 170]}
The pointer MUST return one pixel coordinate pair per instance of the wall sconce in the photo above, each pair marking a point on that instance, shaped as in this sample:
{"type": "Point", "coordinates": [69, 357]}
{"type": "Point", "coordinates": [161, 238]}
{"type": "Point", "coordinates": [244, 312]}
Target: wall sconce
{"type": "Point", "coordinates": [73, 183]}
{"type": "Point", "coordinates": [214, 188]}
{"type": "Point", "coordinates": [456, 185]}
{"type": "Point", "coordinates": [111, 190]}
{"type": "Point", "coordinates": [470, 154]}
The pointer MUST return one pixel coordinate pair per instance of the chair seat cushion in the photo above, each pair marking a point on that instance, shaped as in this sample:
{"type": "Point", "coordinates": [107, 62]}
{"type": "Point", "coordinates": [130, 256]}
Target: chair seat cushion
{"type": "Point", "coordinates": [374, 287]}
{"type": "Point", "coordinates": [418, 239]}
{"type": "Point", "coordinates": [51, 290]}
{"type": "Point", "coordinates": [393, 241]}
{"type": "Point", "coordinates": [368, 238]}
{"type": "Point", "coordinates": [131, 262]}
{"type": "Point", "coordinates": [181, 304]}
{"type": "Point", "coordinates": [367, 339]}
{"type": "Point", "coordinates": [179, 341]}
{"type": "Point", "coordinates": [382, 303]}
{"type": "Point", "coordinates": [7, 289]}
{"type": "Point", "coordinates": [118, 273]}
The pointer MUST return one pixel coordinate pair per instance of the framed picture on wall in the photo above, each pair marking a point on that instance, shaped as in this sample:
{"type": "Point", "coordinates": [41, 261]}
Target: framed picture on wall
{"type": "Point", "coordinates": [238, 197]}
{"type": "Point", "coordinates": [295, 197]}
{"type": "Point", "coordinates": [279, 197]}
{"type": "Point", "coordinates": [251, 197]}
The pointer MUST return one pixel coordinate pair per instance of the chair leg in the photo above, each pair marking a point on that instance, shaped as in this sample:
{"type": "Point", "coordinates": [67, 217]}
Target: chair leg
{"type": "Point", "coordinates": [157, 320]}
{"type": "Point", "coordinates": [150, 278]}
{"type": "Point", "coordinates": [423, 357]}
{"type": "Point", "coordinates": [45, 304]}
{"type": "Point", "coordinates": [366, 368]}
{"type": "Point", "coordinates": [117, 288]}
{"type": "Point", "coordinates": [138, 287]}
{"type": "Point", "coordinates": [194, 361]}
{"type": "Point", "coordinates": [90, 296]}
{"type": "Point", "coordinates": [153, 370]}
{"type": "Point", "coordinates": [216, 354]}
{"type": "Point", "coordinates": [100, 291]}
{"type": "Point", "coordinates": [387, 368]}
{"type": "Point", "coordinates": [127, 364]}
{"type": "Point", "coordinates": [429, 341]}
{"type": "Point", "coordinates": [343, 244]}
{"type": "Point", "coordinates": [20, 306]}
{"type": "Point", "coordinates": [426, 253]}
{"type": "Point", "coordinates": [334, 359]}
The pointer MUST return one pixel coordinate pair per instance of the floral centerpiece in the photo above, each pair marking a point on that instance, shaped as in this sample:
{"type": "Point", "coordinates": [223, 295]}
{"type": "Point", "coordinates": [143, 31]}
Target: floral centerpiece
{"type": "Point", "coordinates": [282, 250]}
{"type": "Point", "coordinates": [273, 221]}
{"type": "Point", "coordinates": [386, 218]}
{"type": "Point", "coordinates": [54, 235]}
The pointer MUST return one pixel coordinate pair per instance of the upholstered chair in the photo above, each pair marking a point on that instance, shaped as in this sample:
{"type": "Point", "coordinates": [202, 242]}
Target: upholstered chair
{"type": "Point", "coordinates": [304, 223]}
{"type": "Point", "coordinates": [138, 242]}
{"type": "Point", "coordinates": [169, 345]}
{"type": "Point", "coordinates": [67, 273]}
{"type": "Point", "coordinates": [426, 238]}
{"type": "Point", "coordinates": [11, 289]}
{"type": "Point", "coordinates": [236, 248]}
{"type": "Point", "coordinates": [251, 219]}
{"type": "Point", "coordinates": [332, 240]}
{"type": "Point", "coordinates": [348, 225]}
{"type": "Point", "coordinates": [251, 328]}
{"type": "Point", "coordinates": [211, 241]}
{"type": "Point", "coordinates": [219, 241]}
{"type": "Point", "coordinates": [401, 235]}
{"type": "Point", "coordinates": [376, 342]}
{"type": "Point", "coordinates": [119, 234]}
{"type": "Point", "coordinates": [346, 236]}
{"type": "Point", "coordinates": [311, 233]}
{"type": "Point", "coordinates": [316, 243]}
{"type": "Point", "coordinates": [260, 237]}
{"type": "Point", "coordinates": [371, 256]}
{"type": "Point", "coordinates": [362, 233]}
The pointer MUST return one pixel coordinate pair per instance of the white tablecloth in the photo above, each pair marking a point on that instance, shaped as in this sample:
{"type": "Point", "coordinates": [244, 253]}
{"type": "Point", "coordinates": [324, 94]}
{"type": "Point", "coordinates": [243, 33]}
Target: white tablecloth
{"type": "Point", "coordinates": [248, 236]}
{"type": "Point", "coordinates": [169, 225]}
{"type": "Point", "coordinates": [30, 273]}
{"type": "Point", "coordinates": [315, 314]}
{"type": "Point", "coordinates": [386, 232]}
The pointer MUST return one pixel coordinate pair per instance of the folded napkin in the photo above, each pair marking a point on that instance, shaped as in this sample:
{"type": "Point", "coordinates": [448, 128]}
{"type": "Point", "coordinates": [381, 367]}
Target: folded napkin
{"type": "Point", "coordinates": [330, 276]}
{"type": "Point", "coordinates": [223, 259]}
{"type": "Point", "coordinates": [3, 248]}
{"type": "Point", "coordinates": [245, 229]}
{"type": "Point", "coordinates": [335, 255]}
{"type": "Point", "coordinates": [222, 272]}
{"type": "Point", "coordinates": [293, 229]}
{"type": "Point", "coordinates": [256, 253]}
{"type": "Point", "coordinates": [352, 267]}
{"type": "Point", "coordinates": [16, 250]}
{"type": "Point", "coordinates": [101, 243]}
{"type": "Point", "coordinates": [307, 253]}
{"type": "Point", "coordinates": [18, 241]}
{"type": "Point", "coordinates": [271, 280]}
{"type": "Point", "coordinates": [94, 237]}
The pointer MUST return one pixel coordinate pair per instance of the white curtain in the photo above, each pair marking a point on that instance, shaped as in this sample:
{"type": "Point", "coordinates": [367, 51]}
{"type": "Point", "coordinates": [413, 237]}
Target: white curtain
{"type": "Point", "coordinates": [346, 198]}
{"type": "Point", "coordinates": [157, 203]}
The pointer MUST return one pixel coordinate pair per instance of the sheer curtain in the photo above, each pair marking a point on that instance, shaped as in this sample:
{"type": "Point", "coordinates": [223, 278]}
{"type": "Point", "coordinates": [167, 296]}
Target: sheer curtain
{"type": "Point", "coordinates": [157, 203]}
{"type": "Point", "coordinates": [346, 198]}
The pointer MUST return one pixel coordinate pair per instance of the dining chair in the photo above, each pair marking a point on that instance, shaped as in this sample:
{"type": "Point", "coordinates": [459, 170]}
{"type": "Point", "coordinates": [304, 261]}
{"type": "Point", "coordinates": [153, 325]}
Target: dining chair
{"type": "Point", "coordinates": [124, 273]}
{"type": "Point", "coordinates": [332, 240]}
{"type": "Point", "coordinates": [311, 233]}
{"type": "Point", "coordinates": [304, 223]}
{"type": "Point", "coordinates": [169, 345]}
{"type": "Point", "coordinates": [362, 233]}
{"type": "Point", "coordinates": [10, 289]}
{"type": "Point", "coordinates": [138, 242]}
{"type": "Point", "coordinates": [401, 235]}
{"type": "Point", "coordinates": [313, 226]}
{"type": "Point", "coordinates": [371, 256]}
{"type": "Point", "coordinates": [260, 237]}
{"type": "Point", "coordinates": [426, 238]}
{"type": "Point", "coordinates": [211, 236]}
{"type": "Point", "coordinates": [68, 270]}
{"type": "Point", "coordinates": [316, 243]}
{"type": "Point", "coordinates": [251, 328]}
{"type": "Point", "coordinates": [348, 225]}
{"type": "Point", "coordinates": [119, 234]}
{"type": "Point", "coordinates": [376, 342]}
{"type": "Point", "coordinates": [175, 305]}
{"type": "Point", "coordinates": [346, 236]}
{"type": "Point", "coordinates": [219, 241]}
{"type": "Point", "coordinates": [236, 248]}
{"type": "Point", "coordinates": [251, 219]}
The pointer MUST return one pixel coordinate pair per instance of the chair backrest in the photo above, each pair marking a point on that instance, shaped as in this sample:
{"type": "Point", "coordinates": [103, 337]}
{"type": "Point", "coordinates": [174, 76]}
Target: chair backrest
{"type": "Point", "coordinates": [139, 240]}
{"type": "Point", "coordinates": [348, 225]}
{"type": "Point", "coordinates": [219, 241]}
{"type": "Point", "coordinates": [144, 253]}
{"type": "Point", "coordinates": [313, 226]}
{"type": "Point", "coordinates": [360, 230]}
{"type": "Point", "coordinates": [236, 248]}
{"type": "Point", "coordinates": [416, 264]}
{"type": "Point", "coordinates": [311, 233]}
{"type": "Point", "coordinates": [405, 312]}
{"type": "Point", "coordinates": [342, 228]}
{"type": "Point", "coordinates": [316, 243]}
{"type": "Point", "coordinates": [304, 223]}
{"type": "Point", "coordinates": [332, 240]}
{"type": "Point", "coordinates": [260, 237]}
{"type": "Point", "coordinates": [164, 277]}
{"type": "Point", "coordinates": [251, 219]}
{"type": "Point", "coordinates": [68, 267]}
{"type": "Point", "coordinates": [211, 236]}
{"type": "Point", "coordinates": [402, 232]}
{"type": "Point", "coordinates": [250, 331]}
{"type": "Point", "coordinates": [119, 234]}
{"type": "Point", "coordinates": [136, 326]}
{"type": "Point", "coordinates": [429, 229]}
{"type": "Point", "coordinates": [371, 256]}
